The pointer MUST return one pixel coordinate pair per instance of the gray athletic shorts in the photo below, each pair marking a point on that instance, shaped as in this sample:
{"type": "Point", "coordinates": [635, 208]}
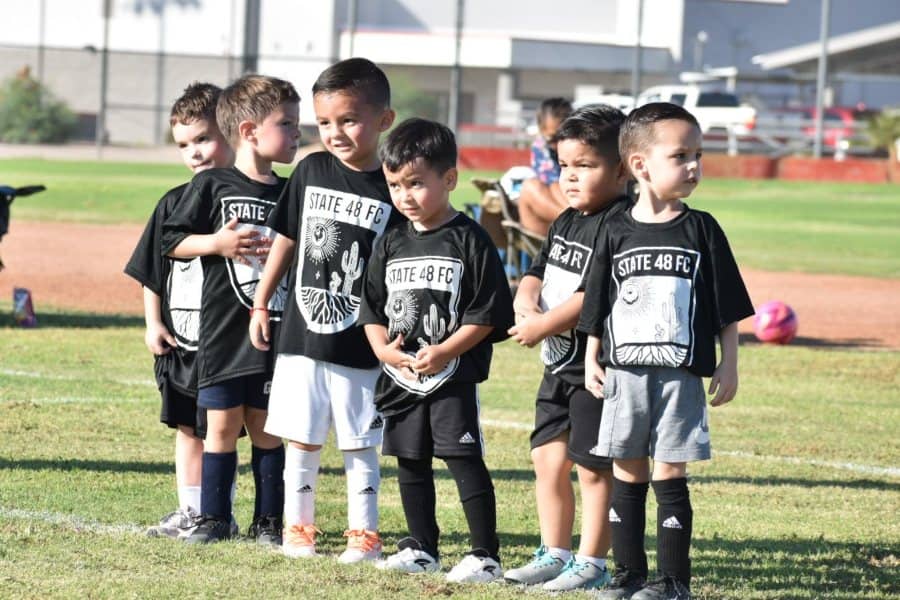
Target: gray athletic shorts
{"type": "Point", "coordinates": [653, 411]}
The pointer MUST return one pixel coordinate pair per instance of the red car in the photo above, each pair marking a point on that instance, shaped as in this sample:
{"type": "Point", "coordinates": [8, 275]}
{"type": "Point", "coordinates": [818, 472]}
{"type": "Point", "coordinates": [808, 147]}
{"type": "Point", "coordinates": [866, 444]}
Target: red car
{"type": "Point", "coordinates": [840, 122]}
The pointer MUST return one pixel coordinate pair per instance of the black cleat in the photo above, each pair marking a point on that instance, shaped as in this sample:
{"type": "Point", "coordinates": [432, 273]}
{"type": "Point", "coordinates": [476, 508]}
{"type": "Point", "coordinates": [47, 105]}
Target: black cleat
{"type": "Point", "coordinates": [622, 585]}
{"type": "Point", "coordinates": [207, 530]}
{"type": "Point", "coordinates": [266, 530]}
{"type": "Point", "coordinates": [664, 588]}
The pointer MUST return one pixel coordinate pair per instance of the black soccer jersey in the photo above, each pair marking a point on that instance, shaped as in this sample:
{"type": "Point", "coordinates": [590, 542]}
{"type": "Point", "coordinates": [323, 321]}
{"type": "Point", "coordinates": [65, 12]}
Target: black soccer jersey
{"type": "Point", "coordinates": [562, 266]}
{"type": "Point", "coordinates": [178, 284]}
{"type": "Point", "coordinates": [660, 293]}
{"type": "Point", "coordinates": [427, 284]}
{"type": "Point", "coordinates": [213, 198]}
{"type": "Point", "coordinates": [334, 214]}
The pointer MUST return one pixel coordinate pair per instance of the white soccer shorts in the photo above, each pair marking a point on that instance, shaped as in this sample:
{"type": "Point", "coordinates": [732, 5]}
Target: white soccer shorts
{"type": "Point", "coordinates": [308, 396]}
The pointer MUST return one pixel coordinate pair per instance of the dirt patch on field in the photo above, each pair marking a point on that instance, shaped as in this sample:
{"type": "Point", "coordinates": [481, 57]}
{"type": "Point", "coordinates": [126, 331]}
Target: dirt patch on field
{"type": "Point", "coordinates": [79, 267]}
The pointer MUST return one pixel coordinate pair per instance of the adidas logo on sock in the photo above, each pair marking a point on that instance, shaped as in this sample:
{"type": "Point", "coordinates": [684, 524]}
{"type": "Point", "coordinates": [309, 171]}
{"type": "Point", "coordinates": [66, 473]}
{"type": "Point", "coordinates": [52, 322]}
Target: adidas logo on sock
{"type": "Point", "coordinates": [672, 523]}
{"type": "Point", "coordinates": [368, 491]}
{"type": "Point", "coordinates": [614, 516]}
{"type": "Point", "coordinates": [467, 438]}
{"type": "Point", "coordinates": [377, 423]}
{"type": "Point", "coordinates": [306, 489]}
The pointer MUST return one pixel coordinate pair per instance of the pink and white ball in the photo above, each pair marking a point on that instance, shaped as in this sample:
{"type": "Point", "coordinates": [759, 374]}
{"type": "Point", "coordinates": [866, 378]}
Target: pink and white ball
{"type": "Point", "coordinates": [775, 323]}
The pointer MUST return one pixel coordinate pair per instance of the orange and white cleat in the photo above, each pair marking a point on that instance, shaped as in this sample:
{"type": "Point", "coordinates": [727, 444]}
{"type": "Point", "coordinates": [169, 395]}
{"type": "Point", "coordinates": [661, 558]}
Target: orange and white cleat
{"type": "Point", "coordinates": [362, 544]}
{"type": "Point", "coordinates": [299, 541]}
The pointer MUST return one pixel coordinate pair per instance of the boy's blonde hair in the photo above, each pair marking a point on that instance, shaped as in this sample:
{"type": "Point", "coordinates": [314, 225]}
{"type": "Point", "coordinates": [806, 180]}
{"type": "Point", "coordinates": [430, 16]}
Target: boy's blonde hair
{"type": "Point", "coordinates": [197, 102]}
{"type": "Point", "coordinates": [251, 98]}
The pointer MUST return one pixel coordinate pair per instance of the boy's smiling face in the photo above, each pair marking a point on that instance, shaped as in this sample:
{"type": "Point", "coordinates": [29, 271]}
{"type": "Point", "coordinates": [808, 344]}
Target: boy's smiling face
{"type": "Point", "coordinates": [350, 127]}
{"type": "Point", "coordinates": [202, 145]}
{"type": "Point", "coordinates": [422, 194]}
{"type": "Point", "coordinates": [587, 179]}
{"type": "Point", "coordinates": [671, 164]}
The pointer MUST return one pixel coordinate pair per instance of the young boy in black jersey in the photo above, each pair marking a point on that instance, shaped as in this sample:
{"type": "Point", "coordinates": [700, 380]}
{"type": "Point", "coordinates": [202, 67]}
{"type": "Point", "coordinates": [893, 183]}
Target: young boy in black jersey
{"type": "Point", "coordinates": [334, 207]}
{"type": "Point", "coordinates": [434, 302]}
{"type": "Point", "coordinates": [259, 117]}
{"type": "Point", "coordinates": [567, 416]}
{"type": "Point", "coordinates": [172, 302]}
{"type": "Point", "coordinates": [663, 286]}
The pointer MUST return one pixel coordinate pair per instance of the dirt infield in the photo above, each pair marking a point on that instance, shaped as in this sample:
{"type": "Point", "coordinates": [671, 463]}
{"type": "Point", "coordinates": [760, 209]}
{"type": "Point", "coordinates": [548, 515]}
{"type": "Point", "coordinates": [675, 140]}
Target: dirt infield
{"type": "Point", "coordinates": [79, 267]}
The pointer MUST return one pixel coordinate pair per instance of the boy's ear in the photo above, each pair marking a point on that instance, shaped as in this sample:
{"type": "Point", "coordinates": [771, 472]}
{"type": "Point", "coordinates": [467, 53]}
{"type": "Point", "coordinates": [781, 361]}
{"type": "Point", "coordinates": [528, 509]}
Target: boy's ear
{"type": "Point", "coordinates": [637, 165]}
{"type": "Point", "coordinates": [387, 119]}
{"type": "Point", "coordinates": [451, 177]}
{"type": "Point", "coordinates": [246, 130]}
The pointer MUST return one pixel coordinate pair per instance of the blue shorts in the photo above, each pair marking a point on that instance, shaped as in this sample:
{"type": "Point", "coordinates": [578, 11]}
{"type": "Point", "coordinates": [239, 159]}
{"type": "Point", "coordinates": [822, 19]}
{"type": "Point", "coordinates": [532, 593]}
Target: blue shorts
{"type": "Point", "coordinates": [249, 390]}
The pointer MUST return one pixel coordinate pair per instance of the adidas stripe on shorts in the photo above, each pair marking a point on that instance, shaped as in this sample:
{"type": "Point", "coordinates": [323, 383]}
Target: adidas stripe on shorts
{"type": "Point", "coordinates": [445, 423]}
{"type": "Point", "coordinates": [308, 396]}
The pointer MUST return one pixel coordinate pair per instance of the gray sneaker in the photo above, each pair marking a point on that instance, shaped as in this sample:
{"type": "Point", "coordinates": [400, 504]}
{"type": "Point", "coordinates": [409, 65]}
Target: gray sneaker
{"type": "Point", "coordinates": [543, 567]}
{"type": "Point", "coordinates": [622, 585]}
{"type": "Point", "coordinates": [174, 524]}
{"type": "Point", "coordinates": [578, 575]}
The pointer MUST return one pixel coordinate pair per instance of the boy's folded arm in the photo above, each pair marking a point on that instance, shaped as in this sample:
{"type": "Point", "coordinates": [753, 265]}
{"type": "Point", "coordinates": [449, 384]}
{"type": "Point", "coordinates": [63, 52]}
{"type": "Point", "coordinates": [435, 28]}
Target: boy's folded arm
{"type": "Point", "coordinates": [528, 296]}
{"type": "Point", "coordinates": [432, 359]}
{"type": "Point", "coordinates": [563, 317]}
{"type": "Point", "coordinates": [280, 256]}
{"type": "Point", "coordinates": [386, 350]}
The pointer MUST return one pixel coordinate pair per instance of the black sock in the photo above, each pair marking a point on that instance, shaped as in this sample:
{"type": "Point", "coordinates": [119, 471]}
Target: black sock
{"type": "Point", "coordinates": [268, 474]}
{"type": "Point", "coordinates": [476, 492]}
{"type": "Point", "coordinates": [627, 521]}
{"type": "Point", "coordinates": [673, 530]}
{"type": "Point", "coordinates": [218, 475]}
{"type": "Point", "coordinates": [416, 480]}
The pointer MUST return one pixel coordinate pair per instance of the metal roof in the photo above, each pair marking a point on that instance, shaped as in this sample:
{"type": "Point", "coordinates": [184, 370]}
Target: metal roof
{"type": "Point", "coordinates": [875, 50]}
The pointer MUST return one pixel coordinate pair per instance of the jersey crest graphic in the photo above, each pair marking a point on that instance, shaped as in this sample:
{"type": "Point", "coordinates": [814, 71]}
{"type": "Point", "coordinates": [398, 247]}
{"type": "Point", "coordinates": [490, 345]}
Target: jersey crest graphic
{"type": "Point", "coordinates": [183, 289]}
{"type": "Point", "coordinates": [430, 281]}
{"type": "Point", "coordinates": [337, 232]}
{"type": "Point", "coordinates": [651, 319]}
{"type": "Point", "coordinates": [567, 263]}
{"type": "Point", "coordinates": [251, 214]}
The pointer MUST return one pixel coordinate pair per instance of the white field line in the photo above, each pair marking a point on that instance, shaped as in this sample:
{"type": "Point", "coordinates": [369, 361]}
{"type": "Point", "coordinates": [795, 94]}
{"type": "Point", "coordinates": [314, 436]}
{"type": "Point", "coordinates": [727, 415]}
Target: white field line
{"type": "Point", "coordinates": [38, 375]}
{"type": "Point", "coordinates": [75, 522]}
{"type": "Point", "coordinates": [845, 466]}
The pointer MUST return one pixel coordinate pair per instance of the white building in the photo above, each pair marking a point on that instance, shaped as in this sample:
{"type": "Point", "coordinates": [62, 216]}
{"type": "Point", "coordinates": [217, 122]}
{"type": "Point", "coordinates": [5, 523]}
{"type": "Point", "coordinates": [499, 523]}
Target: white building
{"type": "Point", "coordinates": [513, 53]}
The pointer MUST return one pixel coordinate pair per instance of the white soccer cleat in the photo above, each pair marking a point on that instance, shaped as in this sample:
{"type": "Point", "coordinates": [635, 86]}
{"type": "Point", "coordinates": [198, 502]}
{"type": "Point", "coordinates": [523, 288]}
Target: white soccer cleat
{"type": "Point", "coordinates": [410, 560]}
{"type": "Point", "coordinates": [475, 569]}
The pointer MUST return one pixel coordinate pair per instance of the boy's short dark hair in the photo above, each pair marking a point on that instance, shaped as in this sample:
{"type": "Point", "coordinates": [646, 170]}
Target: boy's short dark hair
{"type": "Point", "coordinates": [198, 101]}
{"type": "Point", "coordinates": [358, 77]}
{"type": "Point", "coordinates": [637, 132]}
{"type": "Point", "coordinates": [251, 98]}
{"type": "Point", "coordinates": [597, 126]}
{"type": "Point", "coordinates": [419, 138]}
{"type": "Point", "coordinates": [556, 107]}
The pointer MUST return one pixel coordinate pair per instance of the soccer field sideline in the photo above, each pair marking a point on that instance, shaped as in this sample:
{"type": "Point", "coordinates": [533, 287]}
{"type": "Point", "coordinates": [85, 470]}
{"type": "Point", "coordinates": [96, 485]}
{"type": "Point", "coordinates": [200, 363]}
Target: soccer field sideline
{"type": "Point", "coordinates": [488, 422]}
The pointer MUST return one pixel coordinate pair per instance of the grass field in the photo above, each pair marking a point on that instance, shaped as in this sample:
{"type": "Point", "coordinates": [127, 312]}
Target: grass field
{"type": "Point", "coordinates": [838, 228]}
{"type": "Point", "coordinates": [800, 500]}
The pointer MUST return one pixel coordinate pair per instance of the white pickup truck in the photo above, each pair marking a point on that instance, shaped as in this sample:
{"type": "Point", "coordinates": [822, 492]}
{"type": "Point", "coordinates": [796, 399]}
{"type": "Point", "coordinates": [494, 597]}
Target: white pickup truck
{"type": "Point", "coordinates": [713, 109]}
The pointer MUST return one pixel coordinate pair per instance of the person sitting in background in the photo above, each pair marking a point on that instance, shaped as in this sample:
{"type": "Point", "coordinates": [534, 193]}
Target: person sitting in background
{"type": "Point", "coordinates": [541, 200]}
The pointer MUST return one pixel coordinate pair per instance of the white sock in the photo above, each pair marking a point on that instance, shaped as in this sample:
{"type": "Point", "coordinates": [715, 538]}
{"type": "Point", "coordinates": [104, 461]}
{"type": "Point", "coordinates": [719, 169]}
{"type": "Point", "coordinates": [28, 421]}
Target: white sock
{"type": "Point", "coordinates": [600, 563]}
{"type": "Point", "coordinates": [301, 470]}
{"type": "Point", "coordinates": [363, 482]}
{"type": "Point", "coordinates": [189, 498]}
{"type": "Point", "coordinates": [562, 554]}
